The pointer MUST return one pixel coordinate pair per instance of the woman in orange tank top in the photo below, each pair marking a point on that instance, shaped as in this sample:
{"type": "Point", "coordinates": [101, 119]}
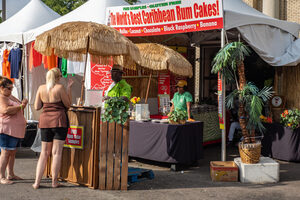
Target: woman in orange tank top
{"type": "Point", "coordinates": [12, 128]}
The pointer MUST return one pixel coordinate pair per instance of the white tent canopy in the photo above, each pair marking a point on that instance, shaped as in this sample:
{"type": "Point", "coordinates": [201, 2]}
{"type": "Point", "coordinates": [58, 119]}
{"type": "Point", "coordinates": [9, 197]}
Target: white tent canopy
{"type": "Point", "coordinates": [91, 11]}
{"type": "Point", "coordinates": [33, 15]}
{"type": "Point", "coordinates": [275, 41]}
{"type": "Point", "coordinates": [238, 13]}
{"type": "Point", "coordinates": [13, 6]}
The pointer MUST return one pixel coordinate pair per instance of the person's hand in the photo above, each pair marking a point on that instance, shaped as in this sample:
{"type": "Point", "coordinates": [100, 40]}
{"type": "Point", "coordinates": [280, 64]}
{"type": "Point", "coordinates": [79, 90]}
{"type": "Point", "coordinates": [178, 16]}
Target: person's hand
{"type": "Point", "coordinates": [169, 114]}
{"type": "Point", "coordinates": [191, 120]}
{"type": "Point", "coordinates": [106, 98]}
{"type": "Point", "coordinates": [70, 83]}
{"type": "Point", "coordinates": [24, 102]}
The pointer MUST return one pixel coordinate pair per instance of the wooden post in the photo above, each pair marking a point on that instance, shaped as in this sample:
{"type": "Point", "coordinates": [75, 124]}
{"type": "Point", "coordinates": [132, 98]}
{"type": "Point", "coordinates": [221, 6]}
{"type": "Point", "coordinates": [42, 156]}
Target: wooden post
{"type": "Point", "coordinates": [83, 80]}
{"type": "Point", "coordinates": [148, 87]}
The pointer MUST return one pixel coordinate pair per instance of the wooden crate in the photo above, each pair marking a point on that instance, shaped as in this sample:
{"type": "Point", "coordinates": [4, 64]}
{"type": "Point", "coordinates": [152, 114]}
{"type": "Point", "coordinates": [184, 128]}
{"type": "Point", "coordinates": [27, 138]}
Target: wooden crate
{"type": "Point", "coordinates": [81, 166]}
{"type": "Point", "coordinates": [113, 170]}
{"type": "Point", "coordinates": [224, 171]}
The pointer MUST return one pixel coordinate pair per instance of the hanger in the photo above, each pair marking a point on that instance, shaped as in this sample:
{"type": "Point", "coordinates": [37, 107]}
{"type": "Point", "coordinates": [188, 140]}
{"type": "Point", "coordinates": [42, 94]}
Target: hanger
{"type": "Point", "coordinates": [15, 45]}
{"type": "Point", "coordinates": [4, 45]}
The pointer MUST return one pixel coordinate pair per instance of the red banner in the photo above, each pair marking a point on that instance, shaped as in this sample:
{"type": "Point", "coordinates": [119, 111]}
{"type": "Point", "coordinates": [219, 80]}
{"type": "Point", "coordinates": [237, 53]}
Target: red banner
{"type": "Point", "coordinates": [100, 77]}
{"type": "Point", "coordinates": [220, 103]}
{"type": "Point", "coordinates": [168, 17]}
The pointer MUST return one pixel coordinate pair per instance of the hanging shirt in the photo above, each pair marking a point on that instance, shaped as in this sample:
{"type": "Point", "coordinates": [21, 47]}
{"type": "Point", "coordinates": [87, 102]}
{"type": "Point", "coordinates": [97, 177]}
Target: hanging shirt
{"type": "Point", "coordinates": [180, 100]}
{"type": "Point", "coordinates": [64, 68]}
{"type": "Point", "coordinates": [35, 58]}
{"type": "Point", "coordinates": [15, 58]}
{"type": "Point", "coordinates": [75, 67]}
{"type": "Point", "coordinates": [1, 59]}
{"type": "Point", "coordinates": [50, 61]}
{"type": "Point", "coordinates": [6, 65]}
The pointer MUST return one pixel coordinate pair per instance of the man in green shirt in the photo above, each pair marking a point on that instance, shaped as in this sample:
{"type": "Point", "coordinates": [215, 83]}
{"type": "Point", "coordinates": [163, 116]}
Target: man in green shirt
{"type": "Point", "coordinates": [182, 99]}
{"type": "Point", "coordinates": [119, 87]}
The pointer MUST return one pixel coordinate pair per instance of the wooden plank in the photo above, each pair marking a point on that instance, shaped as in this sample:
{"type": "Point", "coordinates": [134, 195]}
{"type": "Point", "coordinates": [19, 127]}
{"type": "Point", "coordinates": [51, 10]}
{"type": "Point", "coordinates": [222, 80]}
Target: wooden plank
{"type": "Point", "coordinates": [118, 151]}
{"type": "Point", "coordinates": [95, 180]}
{"type": "Point", "coordinates": [124, 170]}
{"type": "Point", "coordinates": [103, 146]}
{"type": "Point", "coordinates": [110, 156]}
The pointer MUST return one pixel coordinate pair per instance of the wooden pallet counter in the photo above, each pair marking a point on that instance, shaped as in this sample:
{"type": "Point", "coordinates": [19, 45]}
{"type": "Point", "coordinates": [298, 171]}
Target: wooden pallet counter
{"type": "Point", "coordinates": [80, 166]}
{"type": "Point", "coordinates": [102, 163]}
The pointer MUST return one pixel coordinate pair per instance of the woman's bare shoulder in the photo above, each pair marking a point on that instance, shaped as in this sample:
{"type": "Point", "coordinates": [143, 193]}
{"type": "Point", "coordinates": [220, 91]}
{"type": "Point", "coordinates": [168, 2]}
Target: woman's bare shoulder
{"type": "Point", "coordinates": [43, 87]}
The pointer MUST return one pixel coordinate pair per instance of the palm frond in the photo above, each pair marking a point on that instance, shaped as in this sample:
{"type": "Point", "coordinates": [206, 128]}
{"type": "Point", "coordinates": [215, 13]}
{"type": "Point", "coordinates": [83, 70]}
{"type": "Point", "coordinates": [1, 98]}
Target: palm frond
{"type": "Point", "coordinates": [250, 88]}
{"type": "Point", "coordinates": [230, 99]}
{"type": "Point", "coordinates": [255, 111]}
{"type": "Point", "coordinates": [266, 93]}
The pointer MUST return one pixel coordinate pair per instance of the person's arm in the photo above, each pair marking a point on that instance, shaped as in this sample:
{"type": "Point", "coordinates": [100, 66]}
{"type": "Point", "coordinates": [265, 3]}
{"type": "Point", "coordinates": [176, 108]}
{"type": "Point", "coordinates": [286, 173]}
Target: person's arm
{"type": "Point", "coordinates": [188, 105]}
{"type": "Point", "coordinates": [189, 100]}
{"type": "Point", "coordinates": [69, 91]}
{"type": "Point", "coordinates": [5, 108]}
{"type": "Point", "coordinates": [38, 104]}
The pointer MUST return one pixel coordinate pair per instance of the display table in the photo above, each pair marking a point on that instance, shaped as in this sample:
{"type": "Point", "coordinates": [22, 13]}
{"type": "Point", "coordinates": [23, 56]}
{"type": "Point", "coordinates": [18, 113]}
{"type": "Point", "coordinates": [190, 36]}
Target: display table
{"type": "Point", "coordinates": [165, 142]}
{"type": "Point", "coordinates": [281, 143]}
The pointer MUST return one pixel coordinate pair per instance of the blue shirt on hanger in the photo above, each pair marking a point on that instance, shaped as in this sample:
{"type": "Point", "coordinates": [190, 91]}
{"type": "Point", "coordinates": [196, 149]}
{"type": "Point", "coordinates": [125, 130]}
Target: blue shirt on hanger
{"type": "Point", "coordinates": [15, 57]}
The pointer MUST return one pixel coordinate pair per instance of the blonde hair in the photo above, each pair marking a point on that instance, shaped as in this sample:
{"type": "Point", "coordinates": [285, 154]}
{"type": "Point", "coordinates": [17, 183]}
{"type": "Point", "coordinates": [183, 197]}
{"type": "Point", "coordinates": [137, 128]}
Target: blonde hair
{"type": "Point", "coordinates": [51, 78]}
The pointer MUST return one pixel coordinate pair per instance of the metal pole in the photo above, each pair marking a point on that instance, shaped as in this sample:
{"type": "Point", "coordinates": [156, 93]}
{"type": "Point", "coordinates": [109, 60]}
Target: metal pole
{"type": "Point", "coordinates": [223, 155]}
{"type": "Point", "coordinates": [3, 10]}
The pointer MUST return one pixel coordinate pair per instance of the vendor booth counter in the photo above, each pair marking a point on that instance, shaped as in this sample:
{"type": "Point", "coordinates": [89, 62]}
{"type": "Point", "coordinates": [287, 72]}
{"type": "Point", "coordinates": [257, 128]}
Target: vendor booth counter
{"type": "Point", "coordinates": [281, 143]}
{"type": "Point", "coordinates": [102, 160]}
{"type": "Point", "coordinates": [169, 143]}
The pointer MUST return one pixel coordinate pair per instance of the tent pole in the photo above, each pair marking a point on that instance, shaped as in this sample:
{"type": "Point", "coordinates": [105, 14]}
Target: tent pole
{"type": "Point", "coordinates": [83, 80]}
{"type": "Point", "coordinates": [223, 156]}
{"type": "Point", "coordinates": [148, 87]}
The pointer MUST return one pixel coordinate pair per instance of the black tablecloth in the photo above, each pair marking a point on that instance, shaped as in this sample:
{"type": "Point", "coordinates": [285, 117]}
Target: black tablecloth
{"type": "Point", "coordinates": [281, 143]}
{"type": "Point", "coordinates": [166, 142]}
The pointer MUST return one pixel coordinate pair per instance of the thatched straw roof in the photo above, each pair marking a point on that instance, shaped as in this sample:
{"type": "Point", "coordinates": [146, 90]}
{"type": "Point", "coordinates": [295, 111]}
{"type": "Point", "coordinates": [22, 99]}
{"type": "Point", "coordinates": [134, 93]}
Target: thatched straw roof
{"type": "Point", "coordinates": [70, 41]}
{"type": "Point", "coordinates": [158, 57]}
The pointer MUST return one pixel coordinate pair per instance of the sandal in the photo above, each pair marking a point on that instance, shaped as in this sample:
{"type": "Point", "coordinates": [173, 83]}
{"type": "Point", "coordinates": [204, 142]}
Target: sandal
{"type": "Point", "coordinates": [13, 178]}
{"type": "Point", "coordinates": [5, 181]}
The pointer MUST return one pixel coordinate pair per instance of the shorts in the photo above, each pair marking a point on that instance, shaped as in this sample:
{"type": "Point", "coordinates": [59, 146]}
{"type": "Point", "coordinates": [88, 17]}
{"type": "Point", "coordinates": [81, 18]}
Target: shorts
{"type": "Point", "coordinates": [49, 134]}
{"type": "Point", "coordinates": [8, 142]}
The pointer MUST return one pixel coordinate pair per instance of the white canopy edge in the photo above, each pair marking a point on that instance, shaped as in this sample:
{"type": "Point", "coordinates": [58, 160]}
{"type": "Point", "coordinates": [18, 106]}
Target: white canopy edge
{"type": "Point", "coordinates": [91, 11]}
{"type": "Point", "coordinates": [238, 13]}
{"type": "Point", "coordinates": [33, 15]}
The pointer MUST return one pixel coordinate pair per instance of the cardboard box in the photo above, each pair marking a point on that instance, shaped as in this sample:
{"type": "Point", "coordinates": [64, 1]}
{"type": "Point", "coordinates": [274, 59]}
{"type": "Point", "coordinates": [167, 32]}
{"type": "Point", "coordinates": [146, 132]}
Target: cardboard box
{"type": "Point", "coordinates": [224, 171]}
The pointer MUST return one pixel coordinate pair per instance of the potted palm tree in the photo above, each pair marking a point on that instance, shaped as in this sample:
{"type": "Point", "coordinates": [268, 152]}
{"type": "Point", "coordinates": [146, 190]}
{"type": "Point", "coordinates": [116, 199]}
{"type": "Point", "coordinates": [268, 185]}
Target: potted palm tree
{"type": "Point", "coordinates": [229, 62]}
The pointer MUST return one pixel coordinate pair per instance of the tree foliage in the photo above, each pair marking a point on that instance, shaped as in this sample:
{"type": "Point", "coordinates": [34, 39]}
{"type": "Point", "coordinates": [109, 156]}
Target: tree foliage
{"type": "Point", "coordinates": [131, 2]}
{"type": "Point", "coordinates": [228, 61]}
{"type": "Point", "coordinates": [63, 7]}
{"type": "Point", "coordinates": [1, 16]}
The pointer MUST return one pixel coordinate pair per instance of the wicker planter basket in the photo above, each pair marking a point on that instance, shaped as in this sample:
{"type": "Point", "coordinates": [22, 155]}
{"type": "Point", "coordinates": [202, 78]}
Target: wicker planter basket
{"type": "Point", "coordinates": [250, 153]}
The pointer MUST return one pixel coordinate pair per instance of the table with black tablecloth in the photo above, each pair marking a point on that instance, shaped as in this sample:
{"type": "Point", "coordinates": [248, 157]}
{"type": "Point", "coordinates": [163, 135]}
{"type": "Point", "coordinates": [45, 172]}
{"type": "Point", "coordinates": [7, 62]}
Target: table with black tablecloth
{"type": "Point", "coordinates": [281, 143]}
{"type": "Point", "coordinates": [166, 142]}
